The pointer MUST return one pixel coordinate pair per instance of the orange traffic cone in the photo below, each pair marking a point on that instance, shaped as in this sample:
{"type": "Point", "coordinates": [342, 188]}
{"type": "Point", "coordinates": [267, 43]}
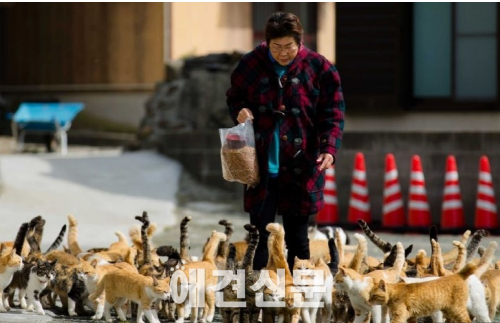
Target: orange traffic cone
{"type": "Point", "coordinates": [418, 206]}
{"type": "Point", "coordinates": [393, 214]}
{"type": "Point", "coordinates": [329, 215]}
{"type": "Point", "coordinates": [486, 209]}
{"type": "Point", "coordinates": [359, 204]}
{"type": "Point", "coordinates": [452, 215]}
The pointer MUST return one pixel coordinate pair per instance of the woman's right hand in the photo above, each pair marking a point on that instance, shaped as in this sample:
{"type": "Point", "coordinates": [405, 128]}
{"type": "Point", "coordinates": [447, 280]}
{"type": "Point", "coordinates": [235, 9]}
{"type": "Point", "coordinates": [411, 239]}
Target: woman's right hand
{"type": "Point", "coordinates": [244, 114]}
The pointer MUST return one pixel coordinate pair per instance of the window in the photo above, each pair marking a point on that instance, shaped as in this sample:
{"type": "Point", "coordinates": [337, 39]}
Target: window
{"type": "Point", "coordinates": [455, 53]}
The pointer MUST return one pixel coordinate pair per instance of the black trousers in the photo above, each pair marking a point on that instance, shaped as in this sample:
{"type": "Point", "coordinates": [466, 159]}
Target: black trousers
{"type": "Point", "coordinates": [295, 227]}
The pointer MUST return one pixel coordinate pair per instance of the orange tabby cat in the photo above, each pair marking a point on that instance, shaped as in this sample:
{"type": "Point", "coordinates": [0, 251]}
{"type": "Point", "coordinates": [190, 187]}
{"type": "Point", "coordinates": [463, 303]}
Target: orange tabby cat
{"type": "Point", "coordinates": [91, 273]}
{"type": "Point", "coordinates": [277, 260]}
{"type": "Point", "coordinates": [10, 262]}
{"type": "Point", "coordinates": [208, 264]}
{"type": "Point", "coordinates": [120, 286]}
{"type": "Point", "coordinates": [448, 294]}
{"type": "Point", "coordinates": [491, 282]}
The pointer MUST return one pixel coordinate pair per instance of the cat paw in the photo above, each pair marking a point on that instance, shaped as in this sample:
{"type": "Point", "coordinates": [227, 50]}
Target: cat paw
{"type": "Point", "coordinates": [72, 313]}
{"type": "Point", "coordinates": [179, 321]}
{"type": "Point", "coordinates": [7, 308]}
{"type": "Point", "coordinates": [29, 308]}
{"type": "Point", "coordinates": [3, 310]}
{"type": "Point", "coordinates": [41, 312]}
{"type": "Point", "coordinates": [109, 321]}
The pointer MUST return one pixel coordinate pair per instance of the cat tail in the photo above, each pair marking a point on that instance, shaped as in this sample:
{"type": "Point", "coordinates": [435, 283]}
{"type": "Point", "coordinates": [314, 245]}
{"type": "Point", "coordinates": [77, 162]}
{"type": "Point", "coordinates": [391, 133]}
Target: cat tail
{"type": "Point", "coordinates": [253, 234]}
{"type": "Point", "coordinates": [334, 257]}
{"type": "Point", "coordinates": [420, 263]}
{"type": "Point", "coordinates": [135, 236]}
{"type": "Point", "coordinates": [211, 247]}
{"type": "Point", "coordinates": [223, 248]}
{"type": "Point", "coordinates": [460, 262]}
{"type": "Point", "coordinates": [276, 246]}
{"type": "Point", "coordinates": [21, 235]}
{"type": "Point", "coordinates": [74, 246]}
{"type": "Point", "coordinates": [340, 246]}
{"type": "Point", "coordinates": [146, 249]}
{"type": "Point", "coordinates": [486, 259]}
{"type": "Point", "coordinates": [400, 258]}
{"type": "Point", "coordinates": [121, 237]}
{"type": "Point", "coordinates": [381, 244]}
{"type": "Point", "coordinates": [474, 243]}
{"type": "Point", "coordinates": [451, 255]}
{"type": "Point", "coordinates": [37, 224]}
{"type": "Point", "coordinates": [360, 254]}
{"type": "Point", "coordinates": [58, 240]}
{"type": "Point", "coordinates": [469, 269]}
{"type": "Point", "coordinates": [184, 250]}
{"type": "Point", "coordinates": [231, 257]}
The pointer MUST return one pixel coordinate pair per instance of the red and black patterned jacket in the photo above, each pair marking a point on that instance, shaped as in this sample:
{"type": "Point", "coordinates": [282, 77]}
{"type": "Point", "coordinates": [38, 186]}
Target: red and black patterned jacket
{"type": "Point", "coordinates": [311, 108]}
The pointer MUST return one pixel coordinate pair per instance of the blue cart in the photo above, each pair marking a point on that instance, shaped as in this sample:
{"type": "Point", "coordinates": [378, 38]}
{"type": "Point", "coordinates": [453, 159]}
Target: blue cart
{"type": "Point", "coordinates": [43, 118]}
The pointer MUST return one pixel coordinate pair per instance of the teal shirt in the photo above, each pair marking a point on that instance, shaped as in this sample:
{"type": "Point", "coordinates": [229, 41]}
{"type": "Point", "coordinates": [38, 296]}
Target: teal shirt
{"type": "Point", "coordinates": [274, 146]}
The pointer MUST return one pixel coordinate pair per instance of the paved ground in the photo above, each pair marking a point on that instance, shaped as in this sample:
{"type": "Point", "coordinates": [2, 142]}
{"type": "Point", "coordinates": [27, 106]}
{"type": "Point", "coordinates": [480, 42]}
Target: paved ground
{"type": "Point", "coordinates": [105, 188]}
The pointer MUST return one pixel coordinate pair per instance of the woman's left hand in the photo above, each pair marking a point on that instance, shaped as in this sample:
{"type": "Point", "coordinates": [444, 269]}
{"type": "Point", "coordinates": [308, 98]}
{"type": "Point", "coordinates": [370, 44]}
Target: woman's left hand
{"type": "Point", "coordinates": [326, 161]}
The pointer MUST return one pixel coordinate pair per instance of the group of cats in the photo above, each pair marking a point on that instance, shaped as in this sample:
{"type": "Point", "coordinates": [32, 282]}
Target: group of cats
{"type": "Point", "coordinates": [455, 286]}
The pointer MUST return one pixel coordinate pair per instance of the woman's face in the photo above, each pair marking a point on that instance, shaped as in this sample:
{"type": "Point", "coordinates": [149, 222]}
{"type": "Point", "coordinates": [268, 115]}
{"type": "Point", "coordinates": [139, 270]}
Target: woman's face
{"type": "Point", "coordinates": [283, 49]}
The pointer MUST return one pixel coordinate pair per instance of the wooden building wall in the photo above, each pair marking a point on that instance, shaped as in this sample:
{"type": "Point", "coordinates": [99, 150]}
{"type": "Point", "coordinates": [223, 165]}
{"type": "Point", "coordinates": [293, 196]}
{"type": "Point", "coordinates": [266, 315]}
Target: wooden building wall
{"type": "Point", "coordinates": [101, 44]}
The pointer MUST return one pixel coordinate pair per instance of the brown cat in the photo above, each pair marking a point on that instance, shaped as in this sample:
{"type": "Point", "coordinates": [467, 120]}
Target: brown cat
{"type": "Point", "coordinates": [120, 286]}
{"type": "Point", "coordinates": [448, 294]}
{"type": "Point", "coordinates": [208, 265]}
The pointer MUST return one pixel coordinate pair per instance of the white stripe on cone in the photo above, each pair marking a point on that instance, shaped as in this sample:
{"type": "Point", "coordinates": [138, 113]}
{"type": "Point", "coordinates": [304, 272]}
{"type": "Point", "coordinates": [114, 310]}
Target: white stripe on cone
{"type": "Point", "coordinates": [418, 205]}
{"type": "Point", "coordinates": [330, 185]}
{"type": "Point", "coordinates": [360, 175]}
{"type": "Point", "coordinates": [391, 190]}
{"type": "Point", "coordinates": [452, 204]}
{"type": "Point", "coordinates": [392, 206]}
{"type": "Point", "coordinates": [451, 189]}
{"type": "Point", "coordinates": [360, 205]}
{"type": "Point", "coordinates": [417, 176]}
{"type": "Point", "coordinates": [329, 199]}
{"type": "Point", "coordinates": [358, 189]}
{"type": "Point", "coordinates": [391, 175]}
{"type": "Point", "coordinates": [485, 177]}
{"type": "Point", "coordinates": [417, 190]}
{"type": "Point", "coordinates": [486, 190]}
{"type": "Point", "coordinates": [487, 205]}
{"type": "Point", "coordinates": [451, 176]}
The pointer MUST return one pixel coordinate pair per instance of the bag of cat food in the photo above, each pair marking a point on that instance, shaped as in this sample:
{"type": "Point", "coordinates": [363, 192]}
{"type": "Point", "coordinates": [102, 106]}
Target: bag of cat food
{"type": "Point", "coordinates": [238, 154]}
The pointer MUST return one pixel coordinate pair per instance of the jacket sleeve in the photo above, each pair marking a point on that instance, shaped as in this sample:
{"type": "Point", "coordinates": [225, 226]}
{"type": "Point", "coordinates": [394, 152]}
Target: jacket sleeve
{"type": "Point", "coordinates": [330, 110]}
{"type": "Point", "coordinates": [236, 96]}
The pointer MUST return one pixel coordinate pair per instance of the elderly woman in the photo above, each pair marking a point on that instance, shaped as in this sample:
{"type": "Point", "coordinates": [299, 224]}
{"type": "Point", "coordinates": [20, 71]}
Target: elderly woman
{"type": "Point", "coordinates": [294, 98]}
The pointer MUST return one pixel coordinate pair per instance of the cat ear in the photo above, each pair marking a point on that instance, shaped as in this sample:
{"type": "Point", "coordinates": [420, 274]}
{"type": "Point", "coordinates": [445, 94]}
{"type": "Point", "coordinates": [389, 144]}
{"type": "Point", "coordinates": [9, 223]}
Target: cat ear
{"type": "Point", "coordinates": [155, 281]}
{"type": "Point", "coordinates": [94, 262]}
{"type": "Point", "coordinates": [2, 247]}
{"type": "Point", "coordinates": [381, 285]}
{"type": "Point", "coordinates": [39, 262]}
{"type": "Point", "coordinates": [312, 260]}
{"type": "Point", "coordinates": [296, 259]}
{"type": "Point", "coordinates": [13, 252]}
{"type": "Point", "coordinates": [342, 270]}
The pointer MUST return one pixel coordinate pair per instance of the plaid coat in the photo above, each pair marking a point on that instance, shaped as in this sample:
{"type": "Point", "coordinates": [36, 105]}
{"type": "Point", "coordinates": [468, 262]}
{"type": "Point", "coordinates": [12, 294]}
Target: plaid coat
{"type": "Point", "coordinates": [311, 108]}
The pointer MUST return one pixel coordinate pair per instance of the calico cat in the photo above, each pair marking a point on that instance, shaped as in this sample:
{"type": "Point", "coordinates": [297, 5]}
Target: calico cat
{"type": "Point", "coordinates": [120, 286]}
{"type": "Point", "coordinates": [91, 273]}
{"type": "Point", "coordinates": [10, 263]}
{"type": "Point", "coordinates": [208, 264]}
{"type": "Point", "coordinates": [31, 281]}
{"type": "Point", "coordinates": [448, 294]}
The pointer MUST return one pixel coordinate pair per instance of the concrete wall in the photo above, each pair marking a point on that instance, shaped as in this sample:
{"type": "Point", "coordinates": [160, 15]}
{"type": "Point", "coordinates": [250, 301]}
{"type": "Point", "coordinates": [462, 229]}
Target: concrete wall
{"type": "Point", "coordinates": [199, 153]}
{"type": "Point", "coordinates": [210, 27]}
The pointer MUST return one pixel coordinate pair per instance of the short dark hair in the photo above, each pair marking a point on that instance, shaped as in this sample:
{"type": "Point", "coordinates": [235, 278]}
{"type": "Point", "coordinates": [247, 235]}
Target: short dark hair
{"type": "Point", "coordinates": [282, 24]}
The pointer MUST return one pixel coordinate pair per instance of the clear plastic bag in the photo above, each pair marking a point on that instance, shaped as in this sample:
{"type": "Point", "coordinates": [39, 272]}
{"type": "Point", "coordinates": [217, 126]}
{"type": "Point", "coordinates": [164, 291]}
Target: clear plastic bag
{"type": "Point", "coordinates": [238, 154]}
